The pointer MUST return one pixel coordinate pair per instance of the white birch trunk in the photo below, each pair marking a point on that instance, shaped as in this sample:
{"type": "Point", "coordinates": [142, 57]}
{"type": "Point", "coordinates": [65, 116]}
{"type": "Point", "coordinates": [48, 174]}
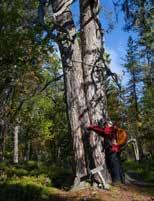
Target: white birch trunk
{"type": "Point", "coordinates": [16, 136]}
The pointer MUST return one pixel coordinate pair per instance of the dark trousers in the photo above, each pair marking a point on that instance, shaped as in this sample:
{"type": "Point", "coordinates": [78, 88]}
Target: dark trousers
{"type": "Point", "coordinates": [114, 165]}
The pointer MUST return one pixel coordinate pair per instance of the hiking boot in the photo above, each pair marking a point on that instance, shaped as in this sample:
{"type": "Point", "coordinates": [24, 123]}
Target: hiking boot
{"type": "Point", "coordinates": [117, 184]}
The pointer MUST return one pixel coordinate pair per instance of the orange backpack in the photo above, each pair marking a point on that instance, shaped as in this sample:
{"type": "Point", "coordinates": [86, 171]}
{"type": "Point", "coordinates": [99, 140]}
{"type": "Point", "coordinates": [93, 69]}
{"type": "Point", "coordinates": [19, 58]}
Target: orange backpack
{"type": "Point", "coordinates": [122, 136]}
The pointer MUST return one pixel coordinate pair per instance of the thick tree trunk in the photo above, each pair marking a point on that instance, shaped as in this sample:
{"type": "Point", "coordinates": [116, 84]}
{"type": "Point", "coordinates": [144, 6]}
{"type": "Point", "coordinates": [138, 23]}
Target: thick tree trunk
{"type": "Point", "coordinates": [78, 84]}
{"type": "Point", "coordinates": [73, 77]}
{"type": "Point", "coordinates": [15, 153]}
{"type": "Point", "coordinates": [91, 37]}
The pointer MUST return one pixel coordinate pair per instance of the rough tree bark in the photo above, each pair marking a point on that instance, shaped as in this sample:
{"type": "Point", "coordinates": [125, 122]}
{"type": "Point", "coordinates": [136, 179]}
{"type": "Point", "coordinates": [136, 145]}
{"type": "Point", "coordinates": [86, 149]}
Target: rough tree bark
{"type": "Point", "coordinates": [83, 83]}
{"type": "Point", "coordinates": [73, 77]}
{"type": "Point", "coordinates": [93, 66]}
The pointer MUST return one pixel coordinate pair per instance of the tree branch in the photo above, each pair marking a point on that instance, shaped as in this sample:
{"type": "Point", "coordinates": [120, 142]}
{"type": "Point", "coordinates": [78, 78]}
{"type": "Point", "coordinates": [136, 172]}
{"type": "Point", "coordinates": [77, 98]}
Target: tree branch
{"type": "Point", "coordinates": [63, 8]}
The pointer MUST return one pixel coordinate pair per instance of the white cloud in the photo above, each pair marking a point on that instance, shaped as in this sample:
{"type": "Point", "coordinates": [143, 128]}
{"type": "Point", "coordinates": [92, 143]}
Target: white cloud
{"type": "Point", "coordinates": [115, 64]}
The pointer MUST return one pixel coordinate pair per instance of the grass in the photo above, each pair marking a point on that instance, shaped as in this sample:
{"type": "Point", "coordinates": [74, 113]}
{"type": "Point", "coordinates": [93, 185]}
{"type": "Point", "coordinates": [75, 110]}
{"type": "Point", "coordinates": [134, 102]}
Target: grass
{"type": "Point", "coordinates": [25, 189]}
{"type": "Point", "coordinates": [48, 175]}
{"type": "Point", "coordinates": [145, 169]}
{"type": "Point", "coordinates": [31, 181]}
{"type": "Point", "coordinates": [35, 182]}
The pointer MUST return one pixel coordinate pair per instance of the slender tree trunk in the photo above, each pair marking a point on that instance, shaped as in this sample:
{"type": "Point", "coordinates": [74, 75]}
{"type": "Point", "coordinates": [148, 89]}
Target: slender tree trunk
{"type": "Point", "coordinates": [92, 52]}
{"type": "Point", "coordinates": [73, 78]}
{"type": "Point", "coordinates": [4, 141]}
{"type": "Point", "coordinates": [4, 130]}
{"type": "Point", "coordinates": [27, 151]}
{"type": "Point", "coordinates": [16, 154]}
{"type": "Point", "coordinates": [135, 96]}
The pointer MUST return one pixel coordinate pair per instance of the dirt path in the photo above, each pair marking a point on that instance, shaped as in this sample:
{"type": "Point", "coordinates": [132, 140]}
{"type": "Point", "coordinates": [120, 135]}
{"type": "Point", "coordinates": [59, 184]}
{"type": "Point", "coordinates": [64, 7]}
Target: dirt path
{"type": "Point", "coordinates": [120, 193]}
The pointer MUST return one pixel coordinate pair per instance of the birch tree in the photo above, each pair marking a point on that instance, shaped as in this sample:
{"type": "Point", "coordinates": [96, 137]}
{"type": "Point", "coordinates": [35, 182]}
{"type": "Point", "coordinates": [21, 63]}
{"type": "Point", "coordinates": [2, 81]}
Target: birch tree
{"type": "Point", "coordinates": [16, 138]}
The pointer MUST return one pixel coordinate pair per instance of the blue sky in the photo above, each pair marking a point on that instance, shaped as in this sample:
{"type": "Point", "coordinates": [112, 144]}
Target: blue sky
{"type": "Point", "coordinates": [115, 40]}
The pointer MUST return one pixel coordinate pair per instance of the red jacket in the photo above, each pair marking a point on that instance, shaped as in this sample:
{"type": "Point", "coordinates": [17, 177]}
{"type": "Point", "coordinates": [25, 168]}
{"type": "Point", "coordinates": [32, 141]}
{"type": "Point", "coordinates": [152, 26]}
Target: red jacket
{"type": "Point", "coordinates": [107, 132]}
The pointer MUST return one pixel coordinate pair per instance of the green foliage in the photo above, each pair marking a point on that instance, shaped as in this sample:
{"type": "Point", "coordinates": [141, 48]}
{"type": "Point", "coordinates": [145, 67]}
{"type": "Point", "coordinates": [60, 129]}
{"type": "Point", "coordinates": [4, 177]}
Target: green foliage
{"type": "Point", "coordinates": [18, 192]}
{"type": "Point", "coordinates": [144, 169]}
{"type": "Point", "coordinates": [30, 165]}
{"type": "Point", "coordinates": [116, 106]}
{"type": "Point", "coordinates": [139, 17]}
{"type": "Point", "coordinates": [61, 178]}
{"type": "Point", "coordinates": [29, 93]}
{"type": "Point", "coordinates": [32, 172]}
{"type": "Point", "coordinates": [133, 91]}
{"type": "Point", "coordinates": [25, 189]}
{"type": "Point", "coordinates": [32, 181]}
{"type": "Point", "coordinates": [29, 168]}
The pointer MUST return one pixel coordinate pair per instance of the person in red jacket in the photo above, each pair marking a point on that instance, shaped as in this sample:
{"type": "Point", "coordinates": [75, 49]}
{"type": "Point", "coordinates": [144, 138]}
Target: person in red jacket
{"type": "Point", "coordinates": [112, 150]}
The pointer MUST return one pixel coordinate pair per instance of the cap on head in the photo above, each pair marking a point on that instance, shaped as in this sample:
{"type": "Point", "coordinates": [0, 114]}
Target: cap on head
{"type": "Point", "coordinates": [109, 123]}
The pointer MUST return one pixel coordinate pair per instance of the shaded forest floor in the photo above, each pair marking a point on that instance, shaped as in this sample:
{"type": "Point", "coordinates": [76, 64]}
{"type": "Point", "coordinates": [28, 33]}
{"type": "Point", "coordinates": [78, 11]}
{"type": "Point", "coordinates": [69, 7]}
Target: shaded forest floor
{"type": "Point", "coordinates": [38, 182]}
{"type": "Point", "coordinates": [121, 193]}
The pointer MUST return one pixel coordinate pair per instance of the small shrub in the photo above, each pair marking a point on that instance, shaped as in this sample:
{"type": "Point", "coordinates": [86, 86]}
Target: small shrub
{"type": "Point", "coordinates": [61, 178]}
{"type": "Point", "coordinates": [3, 164]}
{"type": "Point", "coordinates": [30, 165]}
{"type": "Point", "coordinates": [26, 189]}
{"type": "Point", "coordinates": [18, 192]}
{"type": "Point", "coordinates": [145, 169]}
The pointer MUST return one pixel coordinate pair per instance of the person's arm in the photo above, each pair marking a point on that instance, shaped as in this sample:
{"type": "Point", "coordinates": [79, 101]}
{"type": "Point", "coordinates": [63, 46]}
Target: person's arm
{"type": "Point", "coordinates": [96, 128]}
{"type": "Point", "coordinates": [108, 131]}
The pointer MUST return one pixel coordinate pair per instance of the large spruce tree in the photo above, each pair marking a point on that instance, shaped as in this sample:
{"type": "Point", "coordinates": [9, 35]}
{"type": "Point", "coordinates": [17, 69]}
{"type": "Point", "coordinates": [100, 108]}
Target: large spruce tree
{"type": "Point", "coordinates": [139, 17]}
{"type": "Point", "coordinates": [133, 87]}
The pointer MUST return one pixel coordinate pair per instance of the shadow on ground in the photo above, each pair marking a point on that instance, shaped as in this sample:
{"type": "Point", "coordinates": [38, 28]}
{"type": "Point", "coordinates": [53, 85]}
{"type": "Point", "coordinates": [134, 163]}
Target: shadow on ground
{"type": "Point", "coordinates": [19, 192]}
